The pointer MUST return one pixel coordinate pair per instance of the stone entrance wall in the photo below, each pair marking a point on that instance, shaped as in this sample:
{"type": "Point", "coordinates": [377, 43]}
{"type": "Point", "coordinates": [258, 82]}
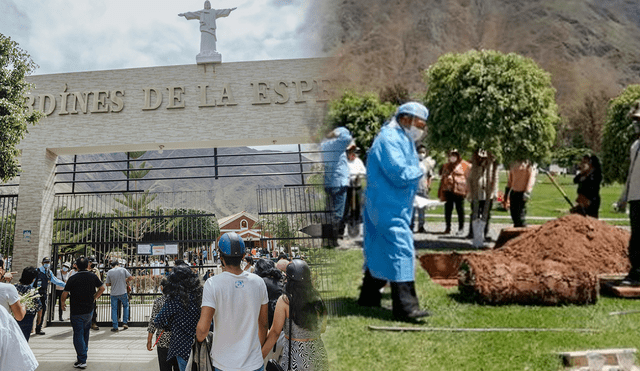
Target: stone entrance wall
{"type": "Point", "coordinates": [177, 107]}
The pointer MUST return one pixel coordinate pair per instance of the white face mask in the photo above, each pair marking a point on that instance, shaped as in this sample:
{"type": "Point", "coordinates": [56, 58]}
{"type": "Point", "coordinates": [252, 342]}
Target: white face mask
{"type": "Point", "coordinates": [453, 158]}
{"type": "Point", "coordinates": [415, 134]}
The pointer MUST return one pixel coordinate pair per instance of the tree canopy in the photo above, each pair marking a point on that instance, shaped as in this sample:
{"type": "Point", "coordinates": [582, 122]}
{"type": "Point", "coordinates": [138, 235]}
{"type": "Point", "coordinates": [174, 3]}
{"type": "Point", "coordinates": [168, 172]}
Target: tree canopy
{"type": "Point", "coordinates": [502, 103]}
{"type": "Point", "coordinates": [362, 113]}
{"type": "Point", "coordinates": [15, 65]}
{"type": "Point", "coordinates": [618, 135]}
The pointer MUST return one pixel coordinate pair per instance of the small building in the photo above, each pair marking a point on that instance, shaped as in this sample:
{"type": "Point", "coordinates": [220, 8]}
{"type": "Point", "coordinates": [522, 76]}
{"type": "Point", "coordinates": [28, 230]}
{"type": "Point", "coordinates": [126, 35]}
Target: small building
{"type": "Point", "coordinates": [246, 226]}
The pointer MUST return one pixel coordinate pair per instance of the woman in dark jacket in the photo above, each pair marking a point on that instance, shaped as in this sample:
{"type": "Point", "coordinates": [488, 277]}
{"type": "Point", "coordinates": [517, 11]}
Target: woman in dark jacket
{"type": "Point", "coordinates": [181, 312]}
{"type": "Point", "coordinates": [588, 181]}
{"type": "Point", "coordinates": [29, 275]}
{"type": "Point", "coordinates": [272, 277]}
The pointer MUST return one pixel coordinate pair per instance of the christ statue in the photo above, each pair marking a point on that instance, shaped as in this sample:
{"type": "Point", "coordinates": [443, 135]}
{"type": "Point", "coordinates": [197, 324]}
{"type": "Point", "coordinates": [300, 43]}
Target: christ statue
{"type": "Point", "coordinates": [207, 18]}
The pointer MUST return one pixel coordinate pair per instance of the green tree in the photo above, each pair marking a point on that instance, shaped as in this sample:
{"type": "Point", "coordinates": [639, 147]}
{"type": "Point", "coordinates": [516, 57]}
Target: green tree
{"type": "Point", "coordinates": [568, 157]}
{"type": "Point", "coordinates": [15, 65]}
{"type": "Point", "coordinates": [618, 135]}
{"type": "Point", "coordinates": [136, 219]}
{"type": "Point", "coordinates": [280, 227]}
{"type": "Point", "coordinates": [72, 234]}
{"type": "Point", "coordinates": [140, 170]}
{"type": "Point", "coordinates": [502, 103]}
{"type": "Point", "coordinates": [8, 224]}
{"type": "Point", "coordinates": [362, 113]}
{"type": "Point", "coordinates": [192, 227]}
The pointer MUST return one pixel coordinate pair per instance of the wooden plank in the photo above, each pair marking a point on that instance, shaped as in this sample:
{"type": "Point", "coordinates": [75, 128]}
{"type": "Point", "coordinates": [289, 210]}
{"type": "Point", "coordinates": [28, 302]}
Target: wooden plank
{"type": "Point", "coordinates": [610, 284]}
{"type": "Point", "coordinates": [461, 329]}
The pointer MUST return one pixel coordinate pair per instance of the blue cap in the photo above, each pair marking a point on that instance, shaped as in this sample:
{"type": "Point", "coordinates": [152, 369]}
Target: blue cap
{"type": "Point", "coordinates": [413, 109]}
{"type": "Point", "coordinates": [231, 244]}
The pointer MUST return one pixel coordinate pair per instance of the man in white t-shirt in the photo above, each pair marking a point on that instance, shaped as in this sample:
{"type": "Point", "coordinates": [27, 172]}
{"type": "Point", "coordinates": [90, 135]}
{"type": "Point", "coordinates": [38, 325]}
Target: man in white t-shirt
{"type": "Point", "coordinates": [237, 302]}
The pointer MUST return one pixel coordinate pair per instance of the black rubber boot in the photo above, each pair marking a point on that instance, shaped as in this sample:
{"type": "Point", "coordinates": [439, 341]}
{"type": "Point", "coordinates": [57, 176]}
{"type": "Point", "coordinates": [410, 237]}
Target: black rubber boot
{"type": "Point", "coordinates": [370, 295]}
{"type": "Point", "coordinates": [405, 301]}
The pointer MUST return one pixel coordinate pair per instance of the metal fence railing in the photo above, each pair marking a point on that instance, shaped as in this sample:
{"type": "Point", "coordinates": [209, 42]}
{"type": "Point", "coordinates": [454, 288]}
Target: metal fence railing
{"type": "Point", "coordinates": [8, 207]}
{"type": "Point", "coordinates": [293, 220]}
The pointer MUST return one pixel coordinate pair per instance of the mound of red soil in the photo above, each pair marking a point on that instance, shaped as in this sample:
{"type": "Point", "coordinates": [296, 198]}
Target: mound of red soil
{"type": "Point", "coordinates": [557, 263]}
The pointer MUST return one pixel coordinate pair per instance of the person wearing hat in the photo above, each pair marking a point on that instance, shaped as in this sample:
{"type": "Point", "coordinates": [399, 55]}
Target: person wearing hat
{"type": "Point", "coordinates": [94, 269]}
{"type": "Point", "coordinates": [301, 315]}
{"type": "Point", "coordinates": [63, 275]}
{"type": "Point", "coordinates": [117, 278]}
{"type": "Point", "coordinates": [336, 177]}
{"type": "Point", "coordinates": [237, 302]}
{"type": "Point", "coordinates": [357, 172]}
{"type": "Point", "coordinates": [9, 296]}
{"type": "Point", "coordinates": [631, 196]}
{"type": "Point", "coordinates": [393, 173]}
{"type": "Point", "coordinates": [45, 276]}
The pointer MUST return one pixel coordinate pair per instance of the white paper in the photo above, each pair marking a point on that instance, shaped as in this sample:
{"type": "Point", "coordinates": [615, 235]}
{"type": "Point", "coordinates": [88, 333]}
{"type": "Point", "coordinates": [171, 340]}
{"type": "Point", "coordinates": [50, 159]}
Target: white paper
{"type": "Point", "coordinates": [171, 249]}
{"type": "Point", "coordinates": [420, 202]}
{"type": "Point", "coordinates": [144, 249]}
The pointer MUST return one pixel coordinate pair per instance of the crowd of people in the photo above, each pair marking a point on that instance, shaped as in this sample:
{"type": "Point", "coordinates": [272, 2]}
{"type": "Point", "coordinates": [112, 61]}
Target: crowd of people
{"type": "Point", "coordinates": [242, 309]}
{"type": "Point", "coordinates": [475, 181]}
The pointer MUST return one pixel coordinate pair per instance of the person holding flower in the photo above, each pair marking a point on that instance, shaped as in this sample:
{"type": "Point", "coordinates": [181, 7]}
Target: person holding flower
{"type": "Point", "coordinates": [31, 302]}
{"type": "Point", "coordinates": [9, 297]}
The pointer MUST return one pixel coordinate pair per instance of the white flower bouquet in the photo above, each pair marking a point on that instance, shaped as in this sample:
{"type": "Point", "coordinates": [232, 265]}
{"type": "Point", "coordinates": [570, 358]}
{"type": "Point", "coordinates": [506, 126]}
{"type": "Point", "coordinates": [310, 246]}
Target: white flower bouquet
{"type": "Point", "coordinates": [30, 300]}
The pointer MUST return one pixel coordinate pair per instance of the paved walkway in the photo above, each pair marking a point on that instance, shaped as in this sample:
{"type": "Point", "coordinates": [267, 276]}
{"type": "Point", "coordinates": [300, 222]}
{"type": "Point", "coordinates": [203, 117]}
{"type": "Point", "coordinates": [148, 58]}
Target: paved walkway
{"type": "Point", "coordinates": [122, 351]}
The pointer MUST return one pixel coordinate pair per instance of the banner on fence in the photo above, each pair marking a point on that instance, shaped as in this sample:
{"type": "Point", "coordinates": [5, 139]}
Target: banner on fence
{"type": "Point", "coordinates": [158, 249]}
{"type": "Point", "coordinates": [171, 249]}
{"type": "Point", "coordinates": [144, 249]}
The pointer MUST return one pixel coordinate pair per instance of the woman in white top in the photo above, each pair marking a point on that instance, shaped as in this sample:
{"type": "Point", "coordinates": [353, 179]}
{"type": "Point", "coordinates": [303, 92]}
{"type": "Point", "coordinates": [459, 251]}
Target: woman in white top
{"type": "Point", "coordinates": [249, 267]}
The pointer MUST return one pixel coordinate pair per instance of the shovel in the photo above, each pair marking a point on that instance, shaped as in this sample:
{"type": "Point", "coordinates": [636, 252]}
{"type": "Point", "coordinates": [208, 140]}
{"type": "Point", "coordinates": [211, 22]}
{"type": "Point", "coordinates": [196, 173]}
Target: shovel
{"type": "Point", "coordinates": [558, 187]}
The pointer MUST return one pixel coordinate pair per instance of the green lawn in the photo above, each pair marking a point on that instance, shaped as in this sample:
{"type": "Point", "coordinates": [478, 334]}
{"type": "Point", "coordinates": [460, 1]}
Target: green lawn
{"type": "Point", "coordinates": [352, 346]}
{"type": "Point", "coordinates": [547, 201]}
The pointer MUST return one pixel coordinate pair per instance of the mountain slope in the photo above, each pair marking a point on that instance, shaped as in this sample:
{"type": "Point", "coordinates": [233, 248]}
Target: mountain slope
{"type": "Point", "coordinates": [586, 45]}
{"type": "Point", "coordinates": [226, 196]}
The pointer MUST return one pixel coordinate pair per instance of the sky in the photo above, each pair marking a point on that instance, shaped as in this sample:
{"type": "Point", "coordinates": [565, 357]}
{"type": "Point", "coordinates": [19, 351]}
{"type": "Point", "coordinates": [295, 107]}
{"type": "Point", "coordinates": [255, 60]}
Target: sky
{"type": "Point", "coordinates": [79, 35]}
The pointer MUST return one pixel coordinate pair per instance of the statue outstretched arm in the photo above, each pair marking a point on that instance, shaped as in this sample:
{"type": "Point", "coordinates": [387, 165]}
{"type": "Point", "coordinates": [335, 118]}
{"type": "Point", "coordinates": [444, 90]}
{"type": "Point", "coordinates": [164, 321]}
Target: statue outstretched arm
{"type": "Point", "coordinates": [224, 12]}
{"type": "Point", "coordinates": [190, 15]}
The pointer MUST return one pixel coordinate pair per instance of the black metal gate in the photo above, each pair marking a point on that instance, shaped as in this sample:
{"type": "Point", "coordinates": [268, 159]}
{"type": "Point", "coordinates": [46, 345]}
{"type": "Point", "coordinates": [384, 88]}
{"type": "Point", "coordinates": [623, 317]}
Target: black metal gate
{"type": "Point", "coordinates": [292, 221]}
{"type": "Point", "coordinates": [137, 226]}
{"type": "Point", "coordinates": [8, 207]}
{"type": "Point", "coordinates": [147, 232]}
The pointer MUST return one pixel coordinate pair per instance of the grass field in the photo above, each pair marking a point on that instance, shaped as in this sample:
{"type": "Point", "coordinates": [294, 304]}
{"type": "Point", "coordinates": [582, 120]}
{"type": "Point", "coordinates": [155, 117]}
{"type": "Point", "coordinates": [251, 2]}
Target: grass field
{"type": "Point", "coordinates": [352, 346]}
{"type": "Point", "coordinates": [547, 201]}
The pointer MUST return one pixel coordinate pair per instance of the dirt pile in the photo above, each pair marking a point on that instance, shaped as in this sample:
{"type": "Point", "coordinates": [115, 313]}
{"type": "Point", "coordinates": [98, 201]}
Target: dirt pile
{"type": "Point", "coordinates": [557, 263]}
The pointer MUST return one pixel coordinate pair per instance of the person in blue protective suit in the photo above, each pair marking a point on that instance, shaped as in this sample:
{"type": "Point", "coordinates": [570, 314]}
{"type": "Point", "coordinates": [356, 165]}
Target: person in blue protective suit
{"type": "Point", "coordinates": [336, 177]}
{"type": "Point", "coordinates": [393, 174]}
